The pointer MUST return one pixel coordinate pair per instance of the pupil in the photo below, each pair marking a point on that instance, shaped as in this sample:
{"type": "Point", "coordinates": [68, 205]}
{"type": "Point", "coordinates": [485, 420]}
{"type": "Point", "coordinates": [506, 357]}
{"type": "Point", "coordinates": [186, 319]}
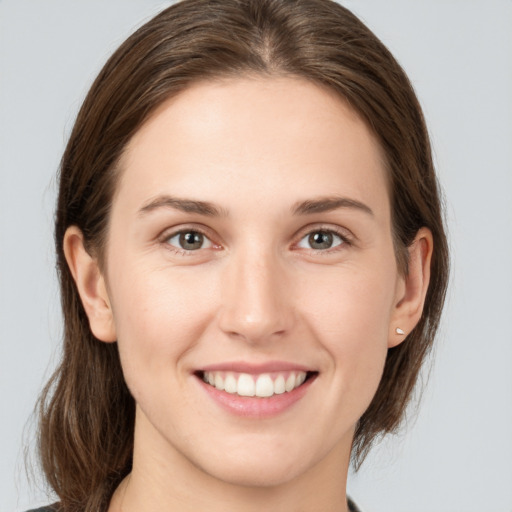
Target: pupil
{"type": "Point", "coordinates": [320, 240]}
{"type": "Point", "coordinates": [191, 240]}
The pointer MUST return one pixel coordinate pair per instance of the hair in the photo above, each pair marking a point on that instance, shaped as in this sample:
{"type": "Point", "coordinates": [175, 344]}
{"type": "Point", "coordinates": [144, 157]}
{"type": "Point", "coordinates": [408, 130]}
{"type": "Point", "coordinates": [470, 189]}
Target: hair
{"type": "Point", "coordinates": [86, 411]}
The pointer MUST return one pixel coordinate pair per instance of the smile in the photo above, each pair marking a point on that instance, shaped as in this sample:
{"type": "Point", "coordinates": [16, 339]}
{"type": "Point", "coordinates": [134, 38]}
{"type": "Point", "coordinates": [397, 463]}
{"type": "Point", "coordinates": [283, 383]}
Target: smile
{"type": "Point", "coordinates": [262, 385]}
{"type": "Point", "coordinates": [256, 391]}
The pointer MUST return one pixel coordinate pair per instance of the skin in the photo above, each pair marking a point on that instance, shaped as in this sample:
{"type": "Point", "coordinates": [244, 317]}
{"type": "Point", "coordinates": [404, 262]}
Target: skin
{"type": "Point", "coordinates": [255, 291]}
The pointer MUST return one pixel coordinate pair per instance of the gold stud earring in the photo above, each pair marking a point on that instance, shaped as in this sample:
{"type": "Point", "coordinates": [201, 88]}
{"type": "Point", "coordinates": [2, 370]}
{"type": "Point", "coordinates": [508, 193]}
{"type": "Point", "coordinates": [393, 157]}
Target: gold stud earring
{"type": "Point", "coordinates": [399, 331]}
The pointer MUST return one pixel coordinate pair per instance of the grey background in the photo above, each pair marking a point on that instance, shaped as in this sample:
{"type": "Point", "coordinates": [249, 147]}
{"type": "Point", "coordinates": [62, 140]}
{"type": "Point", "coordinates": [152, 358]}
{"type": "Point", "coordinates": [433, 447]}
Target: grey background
{"type": "Point", "coordinates": [456, 454]}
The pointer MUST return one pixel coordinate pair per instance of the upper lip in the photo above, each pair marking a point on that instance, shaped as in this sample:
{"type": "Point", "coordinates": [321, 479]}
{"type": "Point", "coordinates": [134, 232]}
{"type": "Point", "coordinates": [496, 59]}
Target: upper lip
{"type": "Point", "coordinates": [255, 368]}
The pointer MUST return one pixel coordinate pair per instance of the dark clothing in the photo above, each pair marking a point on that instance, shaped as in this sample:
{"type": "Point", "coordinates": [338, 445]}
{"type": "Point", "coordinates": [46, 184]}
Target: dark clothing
{"type": "Point", "coordinates": [50, 508]}
{"type": "Point", "coordinates": [352, 506]}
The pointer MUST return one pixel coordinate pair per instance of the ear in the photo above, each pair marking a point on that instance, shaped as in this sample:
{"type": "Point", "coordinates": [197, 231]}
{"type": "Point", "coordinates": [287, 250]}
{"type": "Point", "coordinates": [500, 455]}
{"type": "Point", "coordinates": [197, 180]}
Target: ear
{"type": "Point", "coordinates": [90, 284]}
{"type": "Point", "coordinates": [412, 288]}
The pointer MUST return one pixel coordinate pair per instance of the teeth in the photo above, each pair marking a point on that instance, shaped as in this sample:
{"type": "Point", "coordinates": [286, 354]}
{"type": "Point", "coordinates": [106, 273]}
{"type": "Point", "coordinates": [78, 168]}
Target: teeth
{"type": "Point", "coordinates": [219, 382]}
{"type": "Point", "coordinates": [290, 382]}
{"type": "Point", "coordinates": [230, 383]}
{"type": "Point", "coordinates": [263, 385]}
{"type": "Point", "coordinates": [246, 385]}
{"type": "Point", "coordinates": [279, 385]}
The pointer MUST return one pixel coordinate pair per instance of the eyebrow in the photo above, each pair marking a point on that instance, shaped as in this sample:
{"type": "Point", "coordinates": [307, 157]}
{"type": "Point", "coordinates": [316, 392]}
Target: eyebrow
{"type": "Point", "coordinates": [184, 205]}
{"type": "Point", "coordinates": [327, 204]}
{"type": "Point", "coordinates": [308, 207]}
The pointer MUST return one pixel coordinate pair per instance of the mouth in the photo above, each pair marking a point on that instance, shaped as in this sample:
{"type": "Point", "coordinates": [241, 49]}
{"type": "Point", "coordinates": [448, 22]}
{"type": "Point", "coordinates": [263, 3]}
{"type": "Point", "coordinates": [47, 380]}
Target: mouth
{"type": "Point", "coordinates": [258, 385]}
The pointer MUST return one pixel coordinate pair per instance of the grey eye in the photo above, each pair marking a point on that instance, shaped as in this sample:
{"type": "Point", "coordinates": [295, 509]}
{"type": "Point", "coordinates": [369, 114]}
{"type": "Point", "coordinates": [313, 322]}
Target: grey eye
{"type": "Point", "coordinates": [320, 240]}
{"type": "Point", "coordinates": [189, 241]}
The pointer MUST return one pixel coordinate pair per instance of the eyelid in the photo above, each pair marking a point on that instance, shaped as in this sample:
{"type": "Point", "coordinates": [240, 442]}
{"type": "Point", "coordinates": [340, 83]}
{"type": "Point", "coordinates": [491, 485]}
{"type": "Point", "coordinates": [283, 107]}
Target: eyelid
{"type": "Point", "coordinates": [183, 228]}
{"type": "Point", "coordinates": [345, 234]}
{"type": "Point", "coordinates": [169, 233]}
{"type": "Point", "coordinates": [205, 239]}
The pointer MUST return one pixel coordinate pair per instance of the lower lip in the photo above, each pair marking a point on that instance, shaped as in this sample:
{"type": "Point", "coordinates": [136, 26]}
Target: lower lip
{"type": "Point", "coordinates": [256, 407]}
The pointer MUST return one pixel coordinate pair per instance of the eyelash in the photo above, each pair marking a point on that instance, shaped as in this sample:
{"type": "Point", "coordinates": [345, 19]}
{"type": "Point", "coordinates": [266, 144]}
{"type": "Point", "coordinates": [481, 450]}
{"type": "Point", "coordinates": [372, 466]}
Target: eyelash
{"type": "Point", "coordinates": [342, 235]}
{"type": "Point", "coordinates": [345, 240]}
{"type": "Point", "coordinates": [181, 251]}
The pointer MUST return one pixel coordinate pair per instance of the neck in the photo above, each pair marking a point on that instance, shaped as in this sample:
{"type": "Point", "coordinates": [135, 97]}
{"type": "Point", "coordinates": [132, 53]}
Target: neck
{"type": "Point", "coordinates": [163, 479]}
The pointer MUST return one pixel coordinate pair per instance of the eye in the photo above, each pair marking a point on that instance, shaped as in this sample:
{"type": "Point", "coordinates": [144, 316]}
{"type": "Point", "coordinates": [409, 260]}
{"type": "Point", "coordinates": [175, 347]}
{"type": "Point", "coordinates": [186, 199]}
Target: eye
{"type": "Point", "coordinates": [320, 240]}
{"type": "Point", "coordinates": [189, 240]}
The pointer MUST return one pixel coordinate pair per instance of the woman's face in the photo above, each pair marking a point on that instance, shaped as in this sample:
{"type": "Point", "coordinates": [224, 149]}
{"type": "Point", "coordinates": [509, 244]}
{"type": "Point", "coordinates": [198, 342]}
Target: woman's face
{"type": "Point", "coordinates": [250, 245]}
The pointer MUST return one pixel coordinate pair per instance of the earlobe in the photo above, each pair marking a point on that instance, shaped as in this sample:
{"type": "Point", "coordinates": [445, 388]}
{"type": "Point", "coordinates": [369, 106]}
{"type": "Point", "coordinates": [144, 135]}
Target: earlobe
{"type": "Point", "coordinates": [90, 284]}
{"type": "Point", "coordinates": [413, 288]}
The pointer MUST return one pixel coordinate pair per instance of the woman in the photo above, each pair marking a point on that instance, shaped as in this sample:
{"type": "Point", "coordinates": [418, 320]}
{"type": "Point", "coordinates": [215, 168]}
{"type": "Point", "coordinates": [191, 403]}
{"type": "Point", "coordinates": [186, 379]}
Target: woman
{"type": "Point", "coordinates": [252, 262]}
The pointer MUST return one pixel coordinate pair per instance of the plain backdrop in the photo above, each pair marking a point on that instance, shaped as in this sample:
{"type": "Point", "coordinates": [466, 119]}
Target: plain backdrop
{"type": "Point", "coordinates": [455, 455]}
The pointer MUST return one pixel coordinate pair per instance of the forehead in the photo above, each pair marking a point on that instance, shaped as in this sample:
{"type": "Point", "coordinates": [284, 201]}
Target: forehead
{"type": "Point", "coordinates": [265, 138]}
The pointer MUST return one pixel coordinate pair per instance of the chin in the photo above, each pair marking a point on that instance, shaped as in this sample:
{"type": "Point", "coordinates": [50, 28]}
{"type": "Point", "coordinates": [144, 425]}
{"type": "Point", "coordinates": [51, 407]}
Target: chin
{"type": "Point", "coordinates": [257, 475]}
{"type": "Point", "coordinates": [263, 465]}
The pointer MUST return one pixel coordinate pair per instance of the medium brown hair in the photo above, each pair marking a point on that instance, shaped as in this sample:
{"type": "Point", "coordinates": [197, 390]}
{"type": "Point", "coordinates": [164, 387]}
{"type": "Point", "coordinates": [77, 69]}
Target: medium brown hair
{"type": "Point", "coordinates": [86, 410]}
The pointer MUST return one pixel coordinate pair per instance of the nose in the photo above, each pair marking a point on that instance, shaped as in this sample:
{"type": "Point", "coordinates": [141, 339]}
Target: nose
{"type": "Point", "coordinates": [257, 305]}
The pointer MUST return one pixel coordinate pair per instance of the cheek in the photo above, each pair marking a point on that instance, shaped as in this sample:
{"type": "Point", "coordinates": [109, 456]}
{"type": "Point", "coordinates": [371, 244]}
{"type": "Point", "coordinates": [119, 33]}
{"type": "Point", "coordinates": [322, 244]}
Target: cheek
{"type": "Point", "coordinates": [352, 303]}
{"type": "Point", "coordinates": [158, 319]}
{"type": "Point", "coordinates": [349, 315]}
